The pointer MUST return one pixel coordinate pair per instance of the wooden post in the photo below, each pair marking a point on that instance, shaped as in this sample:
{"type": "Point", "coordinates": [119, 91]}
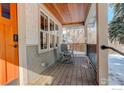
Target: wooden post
{"type": "Point", "coordinates": [102, 39]}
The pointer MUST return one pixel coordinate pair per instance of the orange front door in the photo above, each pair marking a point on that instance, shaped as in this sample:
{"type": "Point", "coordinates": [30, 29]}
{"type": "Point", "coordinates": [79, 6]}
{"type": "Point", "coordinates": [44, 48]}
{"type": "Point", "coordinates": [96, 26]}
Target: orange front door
{"type": "Point", "coordinates": [8, 43]}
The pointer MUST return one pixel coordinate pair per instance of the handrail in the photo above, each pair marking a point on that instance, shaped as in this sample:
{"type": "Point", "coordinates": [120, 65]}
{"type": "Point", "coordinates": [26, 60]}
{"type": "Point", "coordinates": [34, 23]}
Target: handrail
{"type": "Point", "coordinates": [108, 47]}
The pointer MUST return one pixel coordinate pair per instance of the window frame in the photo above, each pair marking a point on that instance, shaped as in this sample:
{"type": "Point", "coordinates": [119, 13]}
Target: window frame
{"type": "Point", "coordinates": [56, 36]}
{"type": "Point", "coordinates": [44, 32]}
{"type": "Point", "coordinates": [47, 32]}
{"type": "Point", "coordinates": [51, 33]}
{"type": "Point", "coordinates": [6, 15]}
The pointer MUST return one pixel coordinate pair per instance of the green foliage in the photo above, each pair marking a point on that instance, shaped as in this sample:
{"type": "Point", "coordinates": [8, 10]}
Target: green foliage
{"type": "Point", "coordinates": [116, 26]}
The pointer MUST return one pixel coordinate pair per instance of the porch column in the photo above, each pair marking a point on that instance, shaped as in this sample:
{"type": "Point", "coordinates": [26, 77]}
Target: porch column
{"type": "Point", "coordinates": [102, 39]}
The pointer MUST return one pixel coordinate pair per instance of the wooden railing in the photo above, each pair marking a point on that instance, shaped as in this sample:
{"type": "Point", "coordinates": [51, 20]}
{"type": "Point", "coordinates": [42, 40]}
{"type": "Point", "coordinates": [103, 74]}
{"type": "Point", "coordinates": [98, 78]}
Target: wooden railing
{"type": "Point", "coordinates": [108, 47]}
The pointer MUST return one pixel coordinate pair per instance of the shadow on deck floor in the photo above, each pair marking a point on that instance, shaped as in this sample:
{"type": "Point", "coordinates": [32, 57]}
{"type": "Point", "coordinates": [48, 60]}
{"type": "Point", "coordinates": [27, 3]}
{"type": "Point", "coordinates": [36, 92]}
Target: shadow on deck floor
{"type": "Point", "coordinates": [79, 73]}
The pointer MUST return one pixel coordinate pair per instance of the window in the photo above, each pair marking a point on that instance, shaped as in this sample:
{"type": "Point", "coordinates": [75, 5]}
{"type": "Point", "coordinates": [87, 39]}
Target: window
{"type": "Point", "coordinates": [43, 40]}
{"type": "Point", "coordinates": [56, 35]}
{"type": "Point", "coordinates": [51, 25]}
{"type": "Point", "coordinates": [56, 27]}
{"type": "Point", "coordinates": [43, 31]}
{"type": "Point", "coordinates": [52, 34]}
{"type": "Point", "coordinates": [6, 10]}
{"type": "Point", "coordinates": [57, 41]}
{"type": "Point", "coordinates": [43, 22]}
{"type": "Point", "coordinates": [46, 23]}
{"type": "Point", "coordinates": [51, 41]}
{"type": "Point", "coordinates": [48, 34]}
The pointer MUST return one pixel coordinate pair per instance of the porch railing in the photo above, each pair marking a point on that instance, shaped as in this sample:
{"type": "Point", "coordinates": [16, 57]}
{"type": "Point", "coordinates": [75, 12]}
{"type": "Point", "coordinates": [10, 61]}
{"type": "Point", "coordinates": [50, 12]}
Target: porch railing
{"type": "Point", "coordinates": [108, 47]}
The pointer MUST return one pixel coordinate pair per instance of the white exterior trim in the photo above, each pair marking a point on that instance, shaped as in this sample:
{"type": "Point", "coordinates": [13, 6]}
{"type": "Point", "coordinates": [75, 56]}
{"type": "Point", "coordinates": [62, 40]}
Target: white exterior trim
{"type": "Point", "coordinates": [23, 78]}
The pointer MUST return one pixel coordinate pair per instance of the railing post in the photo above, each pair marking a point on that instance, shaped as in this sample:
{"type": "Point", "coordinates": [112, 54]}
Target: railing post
{"type": "Point", "coordinates": [102, 55]}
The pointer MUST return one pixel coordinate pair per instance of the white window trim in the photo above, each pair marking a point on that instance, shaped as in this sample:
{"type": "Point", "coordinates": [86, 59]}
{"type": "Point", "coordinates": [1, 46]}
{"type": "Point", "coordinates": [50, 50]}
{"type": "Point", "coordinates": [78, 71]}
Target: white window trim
{"type": "Point", "coordinates": [56, 36]}
{"type": "Point", "coordinates": [48, 32]}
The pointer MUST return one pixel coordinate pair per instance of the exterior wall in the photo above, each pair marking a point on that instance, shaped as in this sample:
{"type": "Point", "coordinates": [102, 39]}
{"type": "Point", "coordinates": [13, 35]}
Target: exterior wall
{"type": "Point", "coordinates": [74, 36]}
{"type": "Point", "coordinates": [32, 23]}
{"type": "Point", "coordinates": [77, 46]}
{"type": "Point", "coordinates": [31, 62]}
{"type": "Point", "coordinates": [91, 44]}
{"type": "Point", "coordinates": [91, 34]}
{"type": "Point", "coordinates": [39, 62]}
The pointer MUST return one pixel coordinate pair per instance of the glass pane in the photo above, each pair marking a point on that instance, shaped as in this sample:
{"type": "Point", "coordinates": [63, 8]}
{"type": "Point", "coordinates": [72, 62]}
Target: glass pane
{"type": "Point", "coordinates": [43, 40]}
{"type": "Point", "coordinates": [51, 41]}
{"type": "Point", "coordinates": [51, 25]}
{"type": "Point", "coordinates": [57, 41]}
{"type": "Point", "coordinates": [6, 10]}
{"type": "Point", "coordinates": [42, 21]}
{"type": "Point", "coordinates": [46, 23]}
{"type": "Point", "coordinates": [56, 27]}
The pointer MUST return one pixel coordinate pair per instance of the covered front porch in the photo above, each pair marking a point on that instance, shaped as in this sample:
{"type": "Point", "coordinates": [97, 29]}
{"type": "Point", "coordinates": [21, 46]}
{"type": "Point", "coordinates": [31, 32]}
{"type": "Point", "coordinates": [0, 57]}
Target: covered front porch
{"type": "Point", "coordinates": [40, 62]}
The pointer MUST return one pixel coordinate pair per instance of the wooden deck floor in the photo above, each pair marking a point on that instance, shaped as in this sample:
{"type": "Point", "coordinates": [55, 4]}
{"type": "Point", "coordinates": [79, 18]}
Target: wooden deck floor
{"type": "Point", "coordinates": [79, 73]}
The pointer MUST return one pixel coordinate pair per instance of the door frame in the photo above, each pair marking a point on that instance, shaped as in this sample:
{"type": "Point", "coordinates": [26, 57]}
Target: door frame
{"type": "Point", "coordinates": [23, 79]}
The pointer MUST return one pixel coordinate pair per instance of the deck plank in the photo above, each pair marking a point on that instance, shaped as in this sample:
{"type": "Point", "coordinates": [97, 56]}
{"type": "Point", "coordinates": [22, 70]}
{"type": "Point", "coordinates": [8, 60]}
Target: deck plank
{"type": "Point", "coordinates": [64, 75]}
{"type": "Point", "coordinates": [93, 74]}
{"type": "Point", "coordinates": [73, 80]}
{"type": "Point", "coordinates": [69, 76]}
{"type": "Point", "coordinates": [58, 70]}
{"type": "Point", "coordinates": [79, 76]}
{"type": "Point", "coordinates": [56, 81]}
{"type": "Point", "coordinates": [89, 75]}
{"type": "Point", "coordinates": [38, 80]}
{"type": "Point", "coordinates": [46, 78]}
{"type": "Point", "coordinates": [84, 76]}
{"type": "Point", "coordinates": [79, 73]}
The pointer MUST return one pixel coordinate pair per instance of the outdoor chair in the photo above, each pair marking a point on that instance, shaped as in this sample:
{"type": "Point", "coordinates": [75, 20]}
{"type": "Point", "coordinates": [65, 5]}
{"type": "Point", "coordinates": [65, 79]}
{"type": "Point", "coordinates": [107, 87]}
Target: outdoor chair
{"type": "Point", "coordinates": [66, 54]}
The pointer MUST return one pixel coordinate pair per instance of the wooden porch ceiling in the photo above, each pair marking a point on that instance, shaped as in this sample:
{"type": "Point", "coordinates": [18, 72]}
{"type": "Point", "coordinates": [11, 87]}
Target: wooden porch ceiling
{"type": "Point", "coordinates": [69, 13]}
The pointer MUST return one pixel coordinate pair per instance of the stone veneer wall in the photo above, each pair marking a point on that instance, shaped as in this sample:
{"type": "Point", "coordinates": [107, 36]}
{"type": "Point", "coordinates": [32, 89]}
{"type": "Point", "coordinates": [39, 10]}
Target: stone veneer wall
{"type": "Point", "coordinates": [37, 63]}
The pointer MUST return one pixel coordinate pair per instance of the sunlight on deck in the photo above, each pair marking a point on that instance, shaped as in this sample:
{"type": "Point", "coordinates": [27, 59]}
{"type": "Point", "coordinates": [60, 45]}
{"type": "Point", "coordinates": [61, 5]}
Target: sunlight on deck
{"type": "Point", "coordinates": [79, 73]}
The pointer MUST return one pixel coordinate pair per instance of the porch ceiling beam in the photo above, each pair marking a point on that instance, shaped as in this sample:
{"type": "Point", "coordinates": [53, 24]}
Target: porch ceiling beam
{"type": "Point", "coordinates": [74, 23]}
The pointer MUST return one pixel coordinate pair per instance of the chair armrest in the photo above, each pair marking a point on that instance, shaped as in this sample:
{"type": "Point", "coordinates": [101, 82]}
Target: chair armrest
{"type": "Point", "coordinates": [70, 50]}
